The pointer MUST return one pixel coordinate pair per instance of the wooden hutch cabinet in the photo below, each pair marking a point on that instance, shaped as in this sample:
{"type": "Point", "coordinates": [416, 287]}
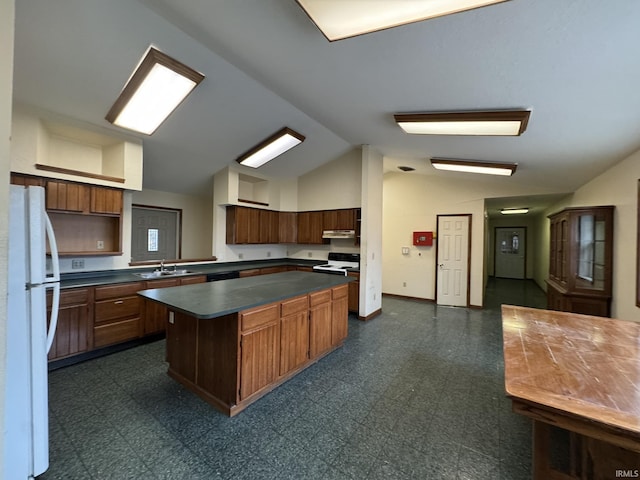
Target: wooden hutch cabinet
{"type": "Point", "coordinates": [581, 260]}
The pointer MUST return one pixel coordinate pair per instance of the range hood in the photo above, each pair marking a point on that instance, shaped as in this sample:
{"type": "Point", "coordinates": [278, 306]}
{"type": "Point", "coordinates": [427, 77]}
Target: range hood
{"type": "Point", "coordinates": [339, 234]}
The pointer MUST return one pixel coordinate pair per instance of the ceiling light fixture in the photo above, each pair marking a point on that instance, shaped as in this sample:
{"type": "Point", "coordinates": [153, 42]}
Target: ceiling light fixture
{"type": "Point", "coordinates": [270, 148]}
{"type": "Point", "coordinates": [498, 122]}
{"type": "Point", "coordinates": [339, 19]}
{"type": "Point", "coordinates": [474, 166]}
{"type": "Point", "coordinates": [157, 86]}
{"type": "Point", "coordinates": [514, 211]}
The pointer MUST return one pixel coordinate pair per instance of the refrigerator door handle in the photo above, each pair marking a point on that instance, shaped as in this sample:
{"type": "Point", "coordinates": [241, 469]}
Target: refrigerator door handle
{"type": "Point", "coordinates": [53, 280]}
{"type": "Point", "coordinates": [53, 246]}
{"type": "Point", "coordinates": [55, 307]}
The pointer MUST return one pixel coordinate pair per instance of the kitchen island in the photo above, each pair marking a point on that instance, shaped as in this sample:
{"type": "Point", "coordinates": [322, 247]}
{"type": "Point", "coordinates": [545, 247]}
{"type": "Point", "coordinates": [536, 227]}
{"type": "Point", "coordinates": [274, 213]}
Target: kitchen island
{"type": "Point", "coordinates": [580, 374]}
{"type": "Point", "coordinates": [233, 341]}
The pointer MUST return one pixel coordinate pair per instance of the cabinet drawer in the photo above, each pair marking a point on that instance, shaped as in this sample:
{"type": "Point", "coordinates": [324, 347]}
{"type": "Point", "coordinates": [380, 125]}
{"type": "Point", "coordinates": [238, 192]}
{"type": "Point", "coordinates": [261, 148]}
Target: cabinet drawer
{"type": "Point", "coordinates": [294, 305]}
{"type": "Point", "coordinates": [115, 332]}
{"type": "Point", "coordinates": [118, 290]}
{"type": "Point", "coordinates": [249, 273]}
{"type": "Point", "coordinates": [168, 282]}
{"type": "Point", "coordinates": [194, 279]}
{"type": "Point", "coordinates": [317, 298]}
{"type": "Point", "coordinates": [117, 308]}
{"type": "Point", "coordinates": [71, 297]}
{"type": "Point", "coordinates": [340, 292]}
{"type": "Point", "coordinates": [260, 316]}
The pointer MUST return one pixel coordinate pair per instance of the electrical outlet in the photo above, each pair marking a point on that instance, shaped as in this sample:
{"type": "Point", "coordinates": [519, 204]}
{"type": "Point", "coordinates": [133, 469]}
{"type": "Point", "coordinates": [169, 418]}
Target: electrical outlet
{"type": "Point", "coordinates": [240, 256]}
{"type": "Point", "coordinates": [268, 254]}
{"type": "Point", "coordinates": [404, 284]}
{"type": "Point", "coordinates": [100, 245]}
{"type": "Point", "coordinates": [310, 254]}
{"type": "Point", "coordinates": [77, 263]}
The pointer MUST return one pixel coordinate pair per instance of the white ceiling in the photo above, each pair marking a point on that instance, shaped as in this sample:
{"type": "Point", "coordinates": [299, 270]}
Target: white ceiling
{"type": "Point", "coordinates": [574, 63]}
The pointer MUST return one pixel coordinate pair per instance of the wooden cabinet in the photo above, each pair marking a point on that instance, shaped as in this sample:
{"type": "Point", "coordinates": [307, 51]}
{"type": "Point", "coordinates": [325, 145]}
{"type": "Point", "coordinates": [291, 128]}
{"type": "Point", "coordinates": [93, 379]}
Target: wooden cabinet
{"type": "Point", "coordinates": [319, 323]}
{"type": "Point", "coordinates": [269, 226]}
{"type": "Point", "coordinates": [354, 292]}
{"type": "Point", "coordinates": [339, 314]}
{"type": "Point", "coordinates": [310, 227]}
{"type": "Point", "coordinates": [105, 200]}
{"type": "Point", "coordinates": [581, 260]}
{"type": "Point", "coordinates": [258, 349]}
{"type": "Point", "coordinates": [87, 219]}
{"type": "Point", "coordinates": [243, 225]}
{"type": "Point", "coordinates": [343, 219]}
{"type": "Point", "coordinates": [26, 180]}
{"type": "Point", "coordinates": [287, 227]}
{"type": "Point", "coordinates": [294, 334]}
{"type": "Point", "coordinates": [117, 314]}
{"type": "Point", "coordinates": [73, 333]}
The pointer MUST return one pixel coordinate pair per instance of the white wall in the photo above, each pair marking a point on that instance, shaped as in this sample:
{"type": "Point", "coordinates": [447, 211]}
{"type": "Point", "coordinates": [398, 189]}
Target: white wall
{"type": "Point", "coordinates": [7, 15]}
{"type": "Point", "coordinates": [618, 186]}
{"type": "Point", "coordinates": [336, 184]}
{"type": "Point", "coordinates": [197, 218]}
{"type": "Point", "coordinates": [412, 203]}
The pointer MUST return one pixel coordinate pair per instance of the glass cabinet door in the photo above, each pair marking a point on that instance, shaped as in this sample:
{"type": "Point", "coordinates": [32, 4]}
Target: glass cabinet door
{"type": "Point", "coordinates": [591, 248]}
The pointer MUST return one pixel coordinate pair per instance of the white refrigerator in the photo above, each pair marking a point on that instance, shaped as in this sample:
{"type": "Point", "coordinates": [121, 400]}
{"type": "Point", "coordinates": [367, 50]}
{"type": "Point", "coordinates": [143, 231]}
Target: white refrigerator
{"type": "Point", "coordinates": [26, 413]}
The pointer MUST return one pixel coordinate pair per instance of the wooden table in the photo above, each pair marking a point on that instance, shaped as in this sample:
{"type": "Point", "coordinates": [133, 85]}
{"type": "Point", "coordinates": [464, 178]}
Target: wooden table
{"type": "Point", "coordinates": [582, 374]}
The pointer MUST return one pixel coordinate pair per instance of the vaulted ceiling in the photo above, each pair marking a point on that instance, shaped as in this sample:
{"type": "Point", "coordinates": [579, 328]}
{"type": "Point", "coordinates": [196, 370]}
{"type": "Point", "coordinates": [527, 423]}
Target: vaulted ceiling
{"type": "Point", "coordinates": [573, 63]}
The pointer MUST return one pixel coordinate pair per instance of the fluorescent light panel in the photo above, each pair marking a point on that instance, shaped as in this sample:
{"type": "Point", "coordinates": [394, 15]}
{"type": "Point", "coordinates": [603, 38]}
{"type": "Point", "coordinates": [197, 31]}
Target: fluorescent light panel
{"type": "Point", "coordinates": [339, 19]}
{"type": "Point", "coordinates": [158, 85]}
{"type": "Point", "coordinates": [270, 148]}
{"type": "Point", "coordinates": [514, 211]}
{"type": "Point", "coordinates": [500, 122]}
{"type": "Point", "coordinates": [474, 166]}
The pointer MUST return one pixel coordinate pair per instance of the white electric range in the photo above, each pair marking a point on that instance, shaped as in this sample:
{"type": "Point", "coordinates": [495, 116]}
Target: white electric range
{"type": "Point", "coordinates": [339, 263]}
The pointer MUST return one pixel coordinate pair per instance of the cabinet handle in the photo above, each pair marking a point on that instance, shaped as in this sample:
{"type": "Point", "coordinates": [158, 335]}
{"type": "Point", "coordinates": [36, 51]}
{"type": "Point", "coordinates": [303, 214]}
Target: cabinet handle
{"type": "Point", "coordinates": [118, 302]}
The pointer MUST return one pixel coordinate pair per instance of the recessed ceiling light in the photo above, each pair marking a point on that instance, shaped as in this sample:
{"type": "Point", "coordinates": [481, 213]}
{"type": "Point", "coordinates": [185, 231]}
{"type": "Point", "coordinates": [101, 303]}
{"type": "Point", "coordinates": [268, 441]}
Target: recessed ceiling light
{"type": "Point", "coordinates": [158, 85]}
{"type": "Point", "coordinates": [514, 211]}
{"type": "Point", "coordinates": [270, 148]}
{"type": "Point", "coordinates": [499, 122]}
{"type": "Point", "coordinates": [474, 166]}
{"type": "Point", "coordinates": [339, 19]}
{"type": "Point", "coordinates": [404, 168]}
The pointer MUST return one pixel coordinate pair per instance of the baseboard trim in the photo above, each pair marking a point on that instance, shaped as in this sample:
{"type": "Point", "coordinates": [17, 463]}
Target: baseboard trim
{"type": "Point", "coordinates": [370, 316]}
{"type": "Point", "coordinates": [406, 297]}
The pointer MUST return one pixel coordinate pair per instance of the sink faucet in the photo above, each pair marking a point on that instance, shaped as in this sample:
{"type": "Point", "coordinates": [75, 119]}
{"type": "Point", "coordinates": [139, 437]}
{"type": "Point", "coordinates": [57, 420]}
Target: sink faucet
{"type": "Point", "coordinates": [162, 265]}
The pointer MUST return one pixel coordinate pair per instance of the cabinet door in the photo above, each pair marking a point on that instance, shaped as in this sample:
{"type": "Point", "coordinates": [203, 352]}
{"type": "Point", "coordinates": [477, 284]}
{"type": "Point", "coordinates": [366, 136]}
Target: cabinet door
{"type": "Point", "coordinates": [319, 323]}
{"type": "Point", "coordinates": [193, 280]}
{"type": "Point", "coordinates": [294, 334]}
{"type": "Point", "coordinates": [346, 219]}
{"type": "Point", "coordinates": [27, 180]}
{"type": "Point", "coordinates": [287, 227]}
{"type": "Point", "coordinates": [238, 222]}
{"type": "Point", "coordinates": [259, 359]}
{"type": "Point", "coordinates": [310, 225]}
{"type": "Point", "coordinates": [339, 314]}
{"type": "Point", "coordinates": [269, 226]}
{"type": "Point", "coordinates": [106, 200]}
{"type": "Point", "coordinates": [73, 331]}
{"type": "Point", "coordinates": [67, 196]}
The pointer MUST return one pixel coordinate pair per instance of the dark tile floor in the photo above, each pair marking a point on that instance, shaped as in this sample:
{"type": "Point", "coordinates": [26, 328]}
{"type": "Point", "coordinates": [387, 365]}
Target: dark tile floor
{"type": "Point", "coordinates": [415, 393]}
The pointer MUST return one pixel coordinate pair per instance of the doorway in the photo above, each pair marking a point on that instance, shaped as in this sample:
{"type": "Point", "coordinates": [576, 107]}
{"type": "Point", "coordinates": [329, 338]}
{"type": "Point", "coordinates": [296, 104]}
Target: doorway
{"type": "Point", "coordinates": [453, 265]}
{"type": "Point", "coordinates": [510, 252]}
{"type": "Point", "coordinates": [155, 233]}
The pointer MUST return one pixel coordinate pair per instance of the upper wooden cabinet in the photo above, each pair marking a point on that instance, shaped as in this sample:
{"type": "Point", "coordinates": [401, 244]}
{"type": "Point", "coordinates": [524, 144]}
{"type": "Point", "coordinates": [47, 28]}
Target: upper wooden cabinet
{"type": "Point", "coordinates": [80, 198]}
{"type": "Point", "coordinates": [343, 219]}
{"type": "Point", "coordinates": [106, 200]}
{"type": "Point", "coordinates": [287, 227]}
{"type": "Point", "coordinates": [581, 260]}
{"type": "Point", "coordinates": [310, 226]}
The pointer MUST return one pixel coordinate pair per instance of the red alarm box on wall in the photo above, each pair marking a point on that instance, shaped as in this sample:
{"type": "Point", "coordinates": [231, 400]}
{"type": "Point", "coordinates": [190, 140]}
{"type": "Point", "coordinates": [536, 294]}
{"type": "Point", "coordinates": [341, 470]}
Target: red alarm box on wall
{"type": "Point", "coordinates": [423, 239]}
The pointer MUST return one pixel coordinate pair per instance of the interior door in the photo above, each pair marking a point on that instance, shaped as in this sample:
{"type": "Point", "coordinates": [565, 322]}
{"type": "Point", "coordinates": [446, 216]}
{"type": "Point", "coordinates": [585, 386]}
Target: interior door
{"type": "Point", "coordinates": [510, 248]}
{"type": "Point", "coordinates": [154, 233]}
{"type": "Point", "coordinates": [454, 235]}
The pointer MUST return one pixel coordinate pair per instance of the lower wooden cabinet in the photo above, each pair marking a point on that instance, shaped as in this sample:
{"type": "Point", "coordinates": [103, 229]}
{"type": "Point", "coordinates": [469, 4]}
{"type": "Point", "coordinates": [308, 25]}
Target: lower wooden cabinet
{"type": "Point", "coordinates": [354, 292]}
{"type": "Point", "coordinates": [294, 334]}
{"type": "Point", "coordinates": [339, 314]}
{"type": "Point", "coordinates": [258, 349]}
{"type": "Point", "coordinates": [319, 323]}
{"type": "Point", "coordinates": [73, 333]}
{"type": "Point", "coordinates": [117, 314]}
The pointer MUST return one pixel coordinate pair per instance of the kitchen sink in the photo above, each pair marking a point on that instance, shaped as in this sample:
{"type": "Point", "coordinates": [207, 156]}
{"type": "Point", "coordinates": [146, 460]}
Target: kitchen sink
{"type": "Point", "coordinates": [164, 273]}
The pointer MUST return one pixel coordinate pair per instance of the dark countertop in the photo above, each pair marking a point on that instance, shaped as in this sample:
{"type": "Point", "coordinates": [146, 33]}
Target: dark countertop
{"type": "Point", "coordinates": [215, 299]}
{"type": "Point", "coordinates": [93, 279]}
